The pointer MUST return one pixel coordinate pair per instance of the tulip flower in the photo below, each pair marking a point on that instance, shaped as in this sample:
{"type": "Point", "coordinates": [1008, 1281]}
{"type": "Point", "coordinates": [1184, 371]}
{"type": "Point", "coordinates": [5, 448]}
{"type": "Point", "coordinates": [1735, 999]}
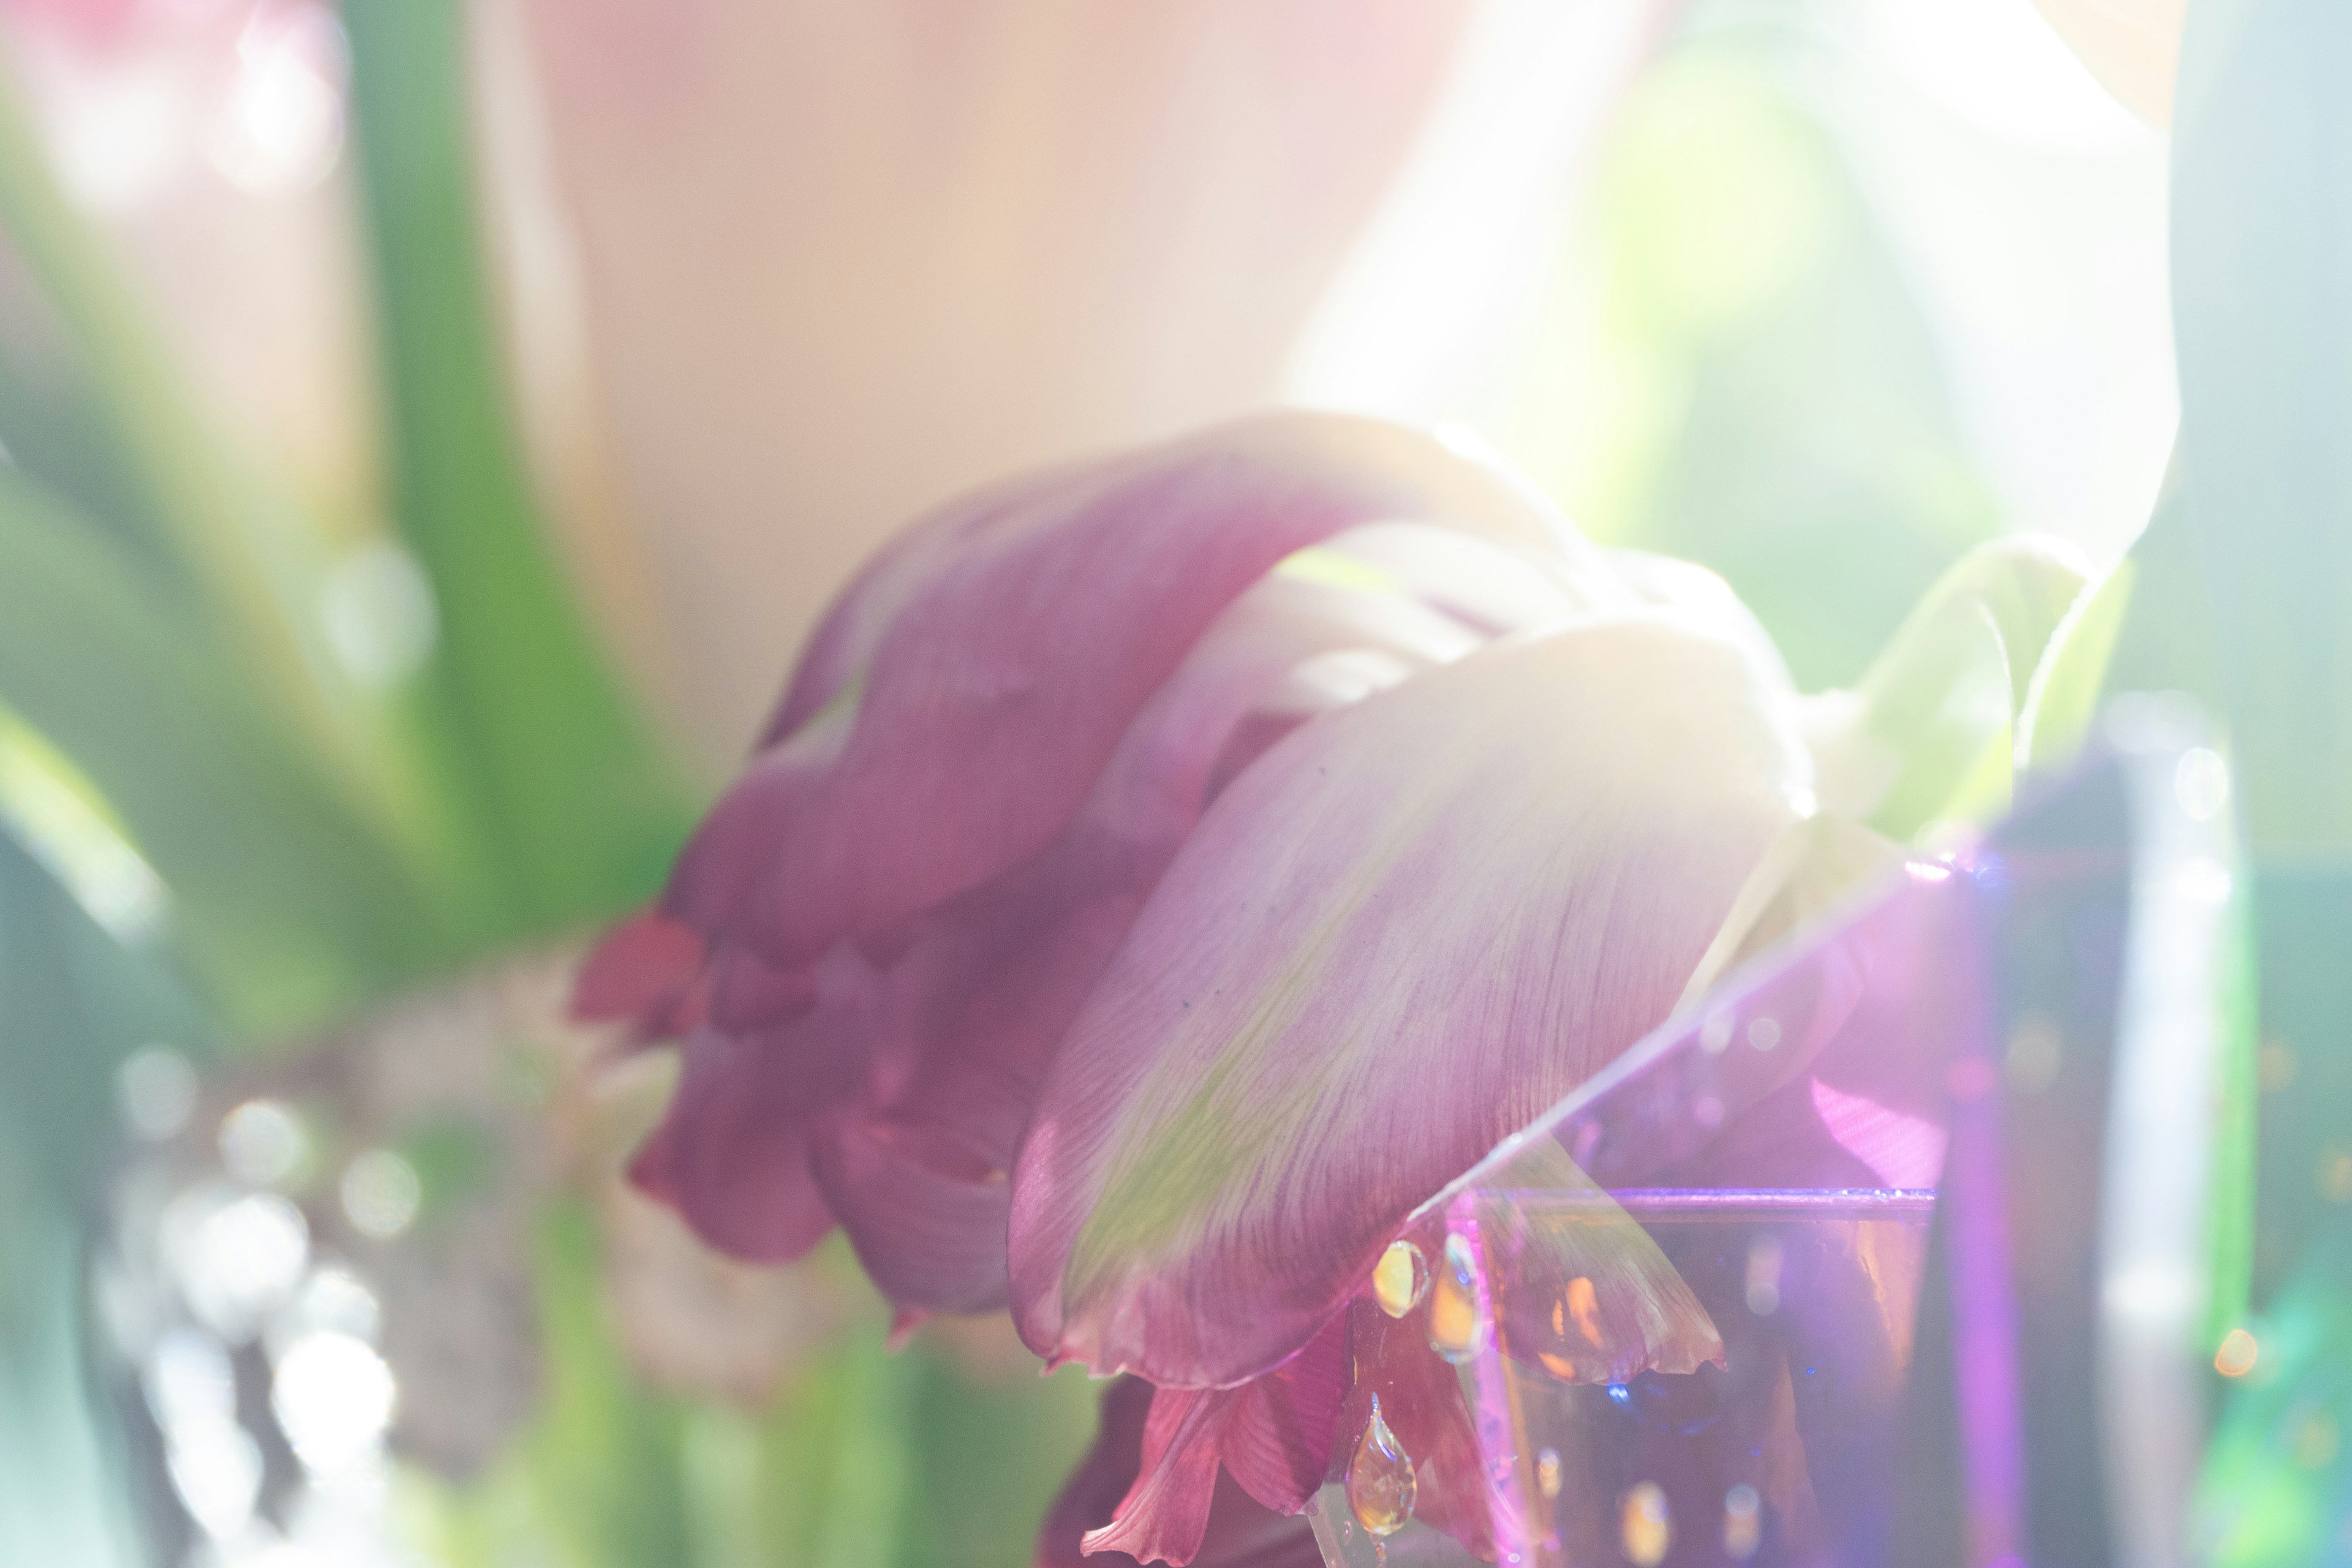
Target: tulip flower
{"type": "Point", "coordinates": [1163, 875]}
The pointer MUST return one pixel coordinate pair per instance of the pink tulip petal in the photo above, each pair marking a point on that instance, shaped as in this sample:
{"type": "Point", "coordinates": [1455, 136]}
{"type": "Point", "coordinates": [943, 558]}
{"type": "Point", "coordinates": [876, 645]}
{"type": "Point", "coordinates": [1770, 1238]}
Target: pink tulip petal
{"type": "Point", "coordinates": [733, 1154]}
{"type": "Point", "coordinates": [1901, 1150]}
{"type": "Point", "coordinates": [929, 1239]}
{"type": "Point", "coordinates": [1272, 1436]}
{"type": "Point", "coordinates": [1403, 933]}
{"type": "Point", "coordinates": [1165, 1514]}
{"type": "Point", "coordinates": [1017, 658]}
{"type": "Point", "coordinates": [742, 1184]}
{"type": "Point", "coordinates": [1277, 1441]}
{"type": "Point", "coordinates": [989, 982]}
{"type": "Point", "coordinates": [1693, 591]}
{"type": "Point", "coordinates": [642, 971]}
{"type": "Point", "coordinates": [748, 993]}
{"type": "Point", "coordinates": [1240, 1532]}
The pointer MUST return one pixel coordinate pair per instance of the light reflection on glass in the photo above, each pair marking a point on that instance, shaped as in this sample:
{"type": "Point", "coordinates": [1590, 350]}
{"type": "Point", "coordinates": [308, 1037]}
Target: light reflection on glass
{"type": "Point", "coordinates": [1645, 1528]}
{"type": "Point", "coordinates": [1763, 1281]}
{"type": "Point", "coordinates": [1743, 1521]}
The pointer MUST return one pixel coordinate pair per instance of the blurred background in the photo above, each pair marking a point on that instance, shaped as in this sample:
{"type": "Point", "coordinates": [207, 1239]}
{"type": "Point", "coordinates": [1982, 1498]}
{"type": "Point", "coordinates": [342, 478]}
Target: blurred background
{"type": "Point", "coordinates": [430, 426]}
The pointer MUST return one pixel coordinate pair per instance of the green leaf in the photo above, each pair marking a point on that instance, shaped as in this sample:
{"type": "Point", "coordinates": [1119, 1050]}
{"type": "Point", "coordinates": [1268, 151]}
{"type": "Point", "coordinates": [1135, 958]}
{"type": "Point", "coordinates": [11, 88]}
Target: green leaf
{"type": "Point", "coordinates": [287, 901]}
{"type": "Point", "coordinates": [577, 803]}
{"type": "Point", "coordinates": [72, 1006]}
{"type": "Point", "coordinates": [94, 406]}
{"type": "Point", "coordinates": [2261, 289]}
{"type": "Point", "coordinates": [2063, 697]}
{"type": "Point", "coordinates": [1929, 733]}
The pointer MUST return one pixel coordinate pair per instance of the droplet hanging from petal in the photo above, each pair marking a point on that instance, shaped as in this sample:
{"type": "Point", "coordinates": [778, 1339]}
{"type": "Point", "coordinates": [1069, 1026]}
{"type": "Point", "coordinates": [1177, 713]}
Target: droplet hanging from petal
{"type": "Point", "coordinates": [1400, 1278]}
{"type": "Point", "coordinates": [1380, 1485]}
{"type": "Point", "coordinates": [1455, 1331]}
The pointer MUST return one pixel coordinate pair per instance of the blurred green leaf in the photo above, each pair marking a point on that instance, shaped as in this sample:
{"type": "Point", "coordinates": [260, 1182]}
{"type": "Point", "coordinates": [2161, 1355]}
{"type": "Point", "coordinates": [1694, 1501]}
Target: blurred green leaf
{"type": "Point", "coordinates": [577, 806]}
{"type": "Point", "coordinates": [2261, 288]}
{"type": "Point", "coordinates": [72, 1006]}
{"type": "Point", "coordinates": [1755, 387]}
{"type": "Point", "coordinates": [93, 404]}
{"type": "Point", "coordinates": [287, 900]}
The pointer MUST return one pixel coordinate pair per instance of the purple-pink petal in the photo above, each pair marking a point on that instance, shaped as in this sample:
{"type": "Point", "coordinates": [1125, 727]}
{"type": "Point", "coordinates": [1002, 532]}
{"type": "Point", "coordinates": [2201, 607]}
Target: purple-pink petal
{"type": "Point", "coordinates": [1239, 1531]}
{"type": "Point", "coordinates": [1006, 650]}
{"type": "Point", "coordinates": [1405, 930]}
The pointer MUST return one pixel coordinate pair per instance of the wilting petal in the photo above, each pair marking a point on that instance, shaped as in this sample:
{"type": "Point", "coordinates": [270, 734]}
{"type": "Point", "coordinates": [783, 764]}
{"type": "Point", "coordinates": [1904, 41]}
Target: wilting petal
{"type": "Point", "coordinates": [1397, 937]}
{"type": "Point", "coordinates": [730, 1160]}
{"type": "Point", "coordinates": [1272, 1436]}
{"type": "Point", "coordinates": [1240, 1532]}
{"type": "Point", "coordinates": [989, 982]}
{"type": "Point", "coordinates": [643, 971]}
{"type": "Point", "coordinates": [995, 696]}
{"type": "Point", "coordinates": [733, 1154]}
{"type": "Point", "coordinates": [929, 1238]}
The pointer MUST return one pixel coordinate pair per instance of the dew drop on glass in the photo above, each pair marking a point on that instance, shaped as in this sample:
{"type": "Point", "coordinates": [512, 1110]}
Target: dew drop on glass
{"type": "Point", "coordinates": [1453, 1303]}
{"type": "Point", "coordinates": [1381, 1487]}
{"type": "Point", "coordinates": [1400, 1278]}
{"type": "Point", "coordinates": [1743, 1523]}
{"type": "Point", "coordinates": [1644, 1527]}
{"type": "Point", "coordinates": [1547, 1472]}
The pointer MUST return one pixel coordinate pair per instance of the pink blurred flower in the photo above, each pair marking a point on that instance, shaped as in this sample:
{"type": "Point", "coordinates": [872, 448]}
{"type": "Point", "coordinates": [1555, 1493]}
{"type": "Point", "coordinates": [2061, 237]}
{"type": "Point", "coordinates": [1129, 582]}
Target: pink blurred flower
{"type": "Point", "coordinates": [839, 262]}
{"type": "Point", "coordinates": [1180, 867]}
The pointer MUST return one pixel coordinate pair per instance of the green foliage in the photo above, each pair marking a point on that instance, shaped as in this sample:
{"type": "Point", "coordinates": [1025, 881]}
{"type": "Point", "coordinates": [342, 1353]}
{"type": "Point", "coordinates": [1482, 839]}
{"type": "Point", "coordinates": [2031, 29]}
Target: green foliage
{"type": "Point", "coordinates": [571, 804]}
{"type": "Point", "coordinates": [290, 898]}
{"type": "Point", "coordinates": [1756, 390]}
{"type": "Point", "coordinates": [2262, 283]}
{"type": "Point", "coordinates": [2277, 1487]}
{"type": "Point", "coordinates": [72, 1004]}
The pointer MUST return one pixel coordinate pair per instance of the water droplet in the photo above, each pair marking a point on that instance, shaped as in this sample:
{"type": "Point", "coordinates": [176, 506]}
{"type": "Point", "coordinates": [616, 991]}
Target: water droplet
{"type": "Point", "coordinates": [1454, 1326]}
{"type": "Point", "coordinates": [1548, 1471]}
{"type": "Point", "coordinates": [1716, 1034]}
{"type": "Point", "coordinates": [1644, 1527]}
{"type": "Point", "coordinates": [2239, 1353]}
{"type": "Point", "coordinates": [1380, 1484]}
{"type": "Point", "coordinates": [1743, 1521]}
{"type": "Point", "coordinates": [1400, 1278]}
{"type": "Point", "coordinates": [1764, 1034]}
